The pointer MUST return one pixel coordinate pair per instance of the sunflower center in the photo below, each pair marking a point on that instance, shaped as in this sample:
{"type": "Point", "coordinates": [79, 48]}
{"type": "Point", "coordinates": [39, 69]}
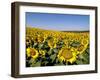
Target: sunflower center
{"type": "Point", "coordinates": [51, 43]}
{"type": "Point", "coordinates": [32, 52]}
{"type": "Point", "coordinates": [67, 54]}
{"type": "Point", "coordinates": [85, 42]}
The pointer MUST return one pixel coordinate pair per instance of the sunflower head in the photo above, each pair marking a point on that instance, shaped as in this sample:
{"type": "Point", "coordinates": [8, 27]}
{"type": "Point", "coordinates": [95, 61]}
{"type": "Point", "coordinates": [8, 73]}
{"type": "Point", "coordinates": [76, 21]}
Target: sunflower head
{"type": "Point", "coordinates": [42, 52]}
{"type": "Point", "coordinates": [40, 38]}
{"type": "Point", "coordinates": [34, 38]}
{"type": "Point", "coordinates": [52, 43]}
{"type": "Point", "coordinates": [65, 54]}
{"type": "Point", "coordinates": [31, 52]}
{"type": "Point", "coordinates": [85, 41]}
{"type": "Point", "coordinates": [65, 41]}
{"type": "Point", "coordinates": [80, 48]}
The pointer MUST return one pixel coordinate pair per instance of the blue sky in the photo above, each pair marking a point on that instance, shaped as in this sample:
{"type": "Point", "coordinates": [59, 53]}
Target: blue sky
{"type": "Point", "coordinates": [60, 22]}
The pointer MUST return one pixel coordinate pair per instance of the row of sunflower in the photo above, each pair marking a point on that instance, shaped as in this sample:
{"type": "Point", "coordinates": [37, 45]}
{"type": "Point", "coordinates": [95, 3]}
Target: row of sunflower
{"type": "Point", "coordinates": [50, 48]}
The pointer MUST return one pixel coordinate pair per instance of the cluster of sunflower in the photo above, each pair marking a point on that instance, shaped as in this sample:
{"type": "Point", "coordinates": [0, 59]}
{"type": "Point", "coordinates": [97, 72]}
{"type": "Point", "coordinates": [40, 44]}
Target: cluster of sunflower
{"type": "Point", "coordinates": [50, 48]}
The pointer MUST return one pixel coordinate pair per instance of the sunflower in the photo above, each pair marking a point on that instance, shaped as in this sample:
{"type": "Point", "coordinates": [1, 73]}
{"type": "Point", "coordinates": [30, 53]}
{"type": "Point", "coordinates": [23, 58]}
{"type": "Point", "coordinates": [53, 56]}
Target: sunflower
{"type": "Point", "coordinates": [42, 52]}
{"type": "Point", "coordinates": [40, 38]}
{"type": "Point", "coordinates": [75, 50]}
{"type": "Point", "coordinates": [31, 52]}
{"type": "Point", "coordinates": [52, 43]}
{"type": "Point", "coordinates": [66, 42]}
{"type": "Point", "coordinates": [34, 38]}
{"type": "Point", "coordinates": [82, 48]}
{"type": "Point", "coordinates": [65, 54]}
{"type": "Point", "coordinates": [85, 41]}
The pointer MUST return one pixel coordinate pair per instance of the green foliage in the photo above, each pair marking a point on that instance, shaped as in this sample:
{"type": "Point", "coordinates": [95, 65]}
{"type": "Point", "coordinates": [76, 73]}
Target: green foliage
{"type": "Point", "coordinates": [83, 58]}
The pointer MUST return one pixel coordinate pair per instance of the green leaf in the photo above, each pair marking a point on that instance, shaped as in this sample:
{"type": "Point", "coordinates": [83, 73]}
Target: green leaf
{"type": "Point", "coordinates": [83, 58]}
{"type": "Point", "coordinates": [79, 62]}
{"type": "Point", "coordinates": [59, 63]}
{"type": "Point", "coordinates": [44, 63]}
{"type": "Point", "coordinates": [55, 50]}
{"type": "Point", "coordinates": [40, 46]}
{"type": "Point", "coordinates": [52, 57]}
{"type": "Point", "coordinates": [36, 64]}
{"type": "Point", "coordinates": [75, 44]}
{"type": "Point", "coordinates": [61, 42]}
{"type": "Point", "coordinates": [45, 46]}
{"type": "Point", "coordinates": [32, 61]}
{"type": "Point", "coordinates": [87, 50]}
{"type": "Point", "coordinates": [50, 52]}
{"type": "Point", "coordinates": [35, 45]}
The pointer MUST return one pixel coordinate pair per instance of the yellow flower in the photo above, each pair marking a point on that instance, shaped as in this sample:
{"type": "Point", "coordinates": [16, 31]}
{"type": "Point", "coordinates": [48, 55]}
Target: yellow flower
{"type": "Point", "coordinates": [85, 42]}
{"type": "Point", "coordinates": [66, 42]}
{"type": "Point", "coordinates": [73, 59]}
{"type": "Point", "coordinates": [82, 48]}
{"type": "Point", "coordinates": [42, 52]}
{"type": "Point", "coordinates": [52, 43]}
{"type": "Point", "coordinates": [65, 54]}
{"type": "Point", "coordinates": [31, 52]}
{"type": "Point", "coordinates": [34, 38]}
{"type": "Point", "coordinates": [40, 38]}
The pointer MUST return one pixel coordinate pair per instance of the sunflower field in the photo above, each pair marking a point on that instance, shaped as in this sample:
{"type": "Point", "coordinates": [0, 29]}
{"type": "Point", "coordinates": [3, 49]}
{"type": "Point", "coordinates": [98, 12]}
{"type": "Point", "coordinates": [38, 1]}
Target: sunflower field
{"type": "Point", "coordinates": [56, 48]}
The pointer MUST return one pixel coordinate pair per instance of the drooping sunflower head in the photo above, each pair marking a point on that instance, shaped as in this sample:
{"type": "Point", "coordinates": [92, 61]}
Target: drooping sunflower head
{"type": "Point", "coordinates": [82, 48]}
{"type": "Point", "coordinates": [65, 54]}
{"type": "Point", "coordinates": [31, 52]}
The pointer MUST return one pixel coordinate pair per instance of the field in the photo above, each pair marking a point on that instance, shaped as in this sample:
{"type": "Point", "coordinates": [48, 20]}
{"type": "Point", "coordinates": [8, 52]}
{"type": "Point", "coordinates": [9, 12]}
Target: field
{"type": "Point", "coordinates": [56, 48]}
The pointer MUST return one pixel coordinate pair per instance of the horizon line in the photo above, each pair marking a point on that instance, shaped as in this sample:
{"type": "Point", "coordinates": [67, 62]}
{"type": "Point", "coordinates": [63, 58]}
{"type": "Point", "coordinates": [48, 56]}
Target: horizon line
{"type": "Point", "coordinates": [59, 30]}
